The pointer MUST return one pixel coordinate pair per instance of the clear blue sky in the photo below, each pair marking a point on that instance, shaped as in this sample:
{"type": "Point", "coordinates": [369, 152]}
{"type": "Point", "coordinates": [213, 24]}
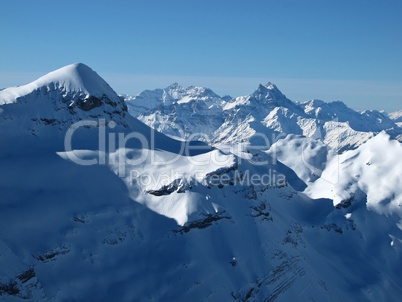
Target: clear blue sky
{"type": "Point", "coordinates": [349, 50]}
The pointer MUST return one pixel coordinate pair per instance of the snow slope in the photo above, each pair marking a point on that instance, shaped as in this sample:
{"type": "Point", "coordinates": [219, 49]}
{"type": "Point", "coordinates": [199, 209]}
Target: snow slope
{"type": "Point", "coordinates": [373, 169]}
{"type": "Point", "coordinates": [244, 227]}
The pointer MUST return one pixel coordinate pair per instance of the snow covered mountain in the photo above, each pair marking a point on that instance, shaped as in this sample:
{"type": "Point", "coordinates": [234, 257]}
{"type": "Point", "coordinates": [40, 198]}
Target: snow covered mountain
{"type": "Point", "coordinates": [68, 93]}
{"type": "Point", "coordinates": [396, 117]}
{"type": "Point", "coordinates": [178, 111]}
{"type": "Point", "coordinates": [130, 214]}
{"type": "Point", "coordinates": [266, 111]}
{"type": "Point", "coordinates": [51, 104]}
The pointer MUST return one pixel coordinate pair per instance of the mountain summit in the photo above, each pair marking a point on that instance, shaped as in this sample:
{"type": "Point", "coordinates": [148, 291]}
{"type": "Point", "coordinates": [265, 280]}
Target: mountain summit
{"type": "Point", "coordinates": [74, 92]}
{"type": "Point", "coordinates": [268, 91]}
{"type": "Point", "coordinates": [78, 79]}
{"type": "Point", "coordinates": [74, 80]}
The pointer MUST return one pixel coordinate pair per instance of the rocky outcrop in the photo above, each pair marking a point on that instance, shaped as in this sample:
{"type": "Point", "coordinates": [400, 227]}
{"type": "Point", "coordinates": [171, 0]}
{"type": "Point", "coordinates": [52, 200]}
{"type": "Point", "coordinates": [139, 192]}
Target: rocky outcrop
{"type": "Point", "coordinates": [203, 223]}
{"type": "Point", "coordinates": [178, 185]}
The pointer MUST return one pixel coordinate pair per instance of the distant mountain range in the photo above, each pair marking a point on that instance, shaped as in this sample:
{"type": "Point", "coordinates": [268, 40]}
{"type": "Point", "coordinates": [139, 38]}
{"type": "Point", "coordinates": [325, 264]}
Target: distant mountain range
{"type": "Point", "coordinates": [184, 112]}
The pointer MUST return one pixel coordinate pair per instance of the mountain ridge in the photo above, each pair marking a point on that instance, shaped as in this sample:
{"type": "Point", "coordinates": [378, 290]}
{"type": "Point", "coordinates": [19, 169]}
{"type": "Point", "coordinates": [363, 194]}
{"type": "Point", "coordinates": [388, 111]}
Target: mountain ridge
{"type": "Point", "coordinates": [266, 111]}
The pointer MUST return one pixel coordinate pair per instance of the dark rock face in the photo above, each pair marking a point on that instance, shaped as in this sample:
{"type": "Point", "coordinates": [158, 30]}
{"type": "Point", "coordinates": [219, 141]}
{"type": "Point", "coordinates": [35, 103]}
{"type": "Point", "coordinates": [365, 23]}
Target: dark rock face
{"type": "Point", "coordinates": [27, 275]}
{"type": "Point", "coordinates": [261, 211]}
{"type": "Point", "coordinates": [203, 223]}
{"type": "Point", "coordinates": [89, 103]}
{"type": "Point", "coordinates": [178, 185]}
{"type": "Point", "coordinates": [10, 288]}
{"type": "Point", "coordinates": [345, 203]}
{"type": "Point", "coordinates": [19, 287]}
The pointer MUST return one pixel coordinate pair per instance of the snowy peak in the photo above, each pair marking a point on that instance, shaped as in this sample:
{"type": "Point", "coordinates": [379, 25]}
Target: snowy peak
{"type": "Point", "coordinates": [325, 111]}
{"type": "Point", "coordinates": [268, 91]}
{"type": "Point", "coordinates": [266, 96]}
{"type": "Point", "coordinates": [78, 79]}
{"type": "Point", "coordinates": [75, 80]}
{"type": "Point", "coordinates": [173, 94]}
{"type": "Point", "coordinates": [178, 111]}
{"type": "Point", "coordinates": [175, 86]}
{"type": "Point", "coordinates": [269, 87]}
{"type": "Point", "coordinates": [269, 95]}
{"type": "Point", "coordinates": [366, 121]}
{"type": "Point", "coordinates": [180, 94]}
{"type": "Point", "coordinates": [59, 98]}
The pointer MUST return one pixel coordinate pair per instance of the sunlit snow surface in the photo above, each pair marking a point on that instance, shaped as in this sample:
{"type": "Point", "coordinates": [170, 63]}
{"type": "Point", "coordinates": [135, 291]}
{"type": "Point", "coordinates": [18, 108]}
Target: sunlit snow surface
{"type": "Point", "coordinates": [71, 232]}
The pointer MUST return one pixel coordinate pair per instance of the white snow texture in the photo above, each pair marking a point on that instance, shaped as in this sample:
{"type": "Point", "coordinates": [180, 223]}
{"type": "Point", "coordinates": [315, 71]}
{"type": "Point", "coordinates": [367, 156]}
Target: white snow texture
{"type": "Point", "coordinates": [133, 214]}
